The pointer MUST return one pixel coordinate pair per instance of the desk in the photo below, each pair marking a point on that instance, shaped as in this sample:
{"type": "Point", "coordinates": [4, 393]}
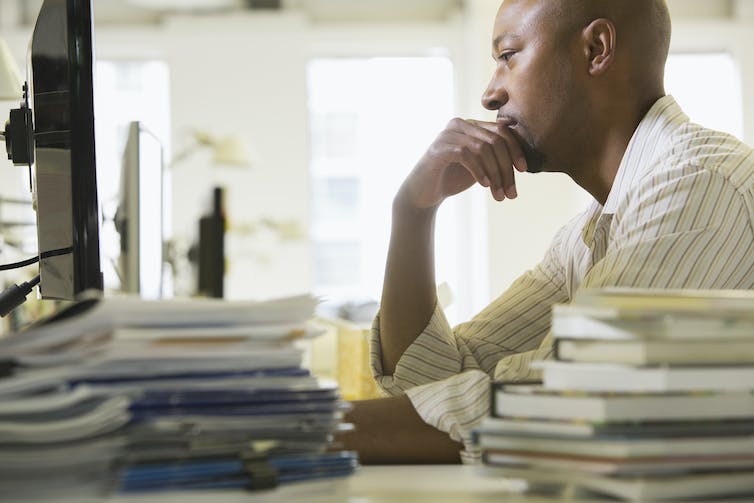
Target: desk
{"type": "Point", "coordinates": [372, 484]}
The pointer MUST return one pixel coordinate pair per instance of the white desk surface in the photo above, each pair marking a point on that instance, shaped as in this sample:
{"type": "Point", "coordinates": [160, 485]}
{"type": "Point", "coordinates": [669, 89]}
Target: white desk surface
{"type": "Point", "coordinates": [371, 484]}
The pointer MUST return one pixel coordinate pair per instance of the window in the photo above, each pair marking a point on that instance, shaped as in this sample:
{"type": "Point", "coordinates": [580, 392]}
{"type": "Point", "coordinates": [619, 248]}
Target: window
{"type": "Point", "coordinates": [708, 88]}
{"type": "Point", "coordinates": [371, 120]}
{"type": "Point", "coordinates": [125, 91]}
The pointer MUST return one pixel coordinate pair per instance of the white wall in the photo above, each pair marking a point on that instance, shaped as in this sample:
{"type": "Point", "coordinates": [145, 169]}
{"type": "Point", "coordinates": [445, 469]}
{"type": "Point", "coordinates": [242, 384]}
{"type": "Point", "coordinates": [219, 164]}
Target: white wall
{"type": "Point", "coordinates": [245, 75]}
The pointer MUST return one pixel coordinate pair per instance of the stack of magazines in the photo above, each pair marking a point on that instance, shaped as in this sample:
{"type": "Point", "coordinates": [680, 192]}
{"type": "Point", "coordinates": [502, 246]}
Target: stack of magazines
{"type": "Point", "coordinates": [650, 397]}
{"type": "Point", "coordinates": [125, 395]}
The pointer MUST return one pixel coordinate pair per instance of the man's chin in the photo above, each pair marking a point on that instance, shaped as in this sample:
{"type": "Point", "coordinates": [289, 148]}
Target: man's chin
{"type": "Point", "coordinates": [535, 161]}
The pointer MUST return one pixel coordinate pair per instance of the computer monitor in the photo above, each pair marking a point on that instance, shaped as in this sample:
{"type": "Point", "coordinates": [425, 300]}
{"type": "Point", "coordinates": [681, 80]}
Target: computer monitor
{"type": "Point", "coordinates": [64, 174]}
{"type": "Point", "coordinates": [138, 218]}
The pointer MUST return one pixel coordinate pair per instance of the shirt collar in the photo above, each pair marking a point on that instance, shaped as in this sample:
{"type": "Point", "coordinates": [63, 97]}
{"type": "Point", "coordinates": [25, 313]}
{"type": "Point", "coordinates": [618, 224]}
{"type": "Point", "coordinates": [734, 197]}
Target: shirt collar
{"type": "Point", "coordinates": [653, 132]}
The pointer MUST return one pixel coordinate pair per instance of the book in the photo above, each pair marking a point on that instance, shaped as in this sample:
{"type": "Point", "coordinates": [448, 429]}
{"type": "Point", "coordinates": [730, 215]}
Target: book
{"type": "Point", "coordinates": [728, 303]}
{"type": "Point", "coordinates": [650, 397]}
{"type": "Point", "coordinates": [650, 352]}
{"type": "Point", "coordinates": [185, 387]}
{"type": "Point", "coordinates": [86, 420]}
{"type": "Point", "coordinates": [95, 317]}
{"type": "Point", "coordinates": [28, 383]}
{"type": "Point", "coordinates": [642, 488]}
{"type": "Point", "coordinates": [42, 403]}
{"type": "Point", "coordinates": [576, 322]}
{"type": "Point", "coordinates": [527, 401]}
{"type": "Point", "coordinates": [558, 375]}
{"type": "Point", "coordinates": [742, 445]}
{"type": "Point", "coordinates": [497, 426]}
{"type": "Point", "coordinates": [237, 473]}
{"type": "Point", "coordinates": [174, 398]}
{"type": "Point", "coordinates": [626, 314]}
{"type": "Point", "coordinates": [638, 466]}
{"type": "Point", "coordinates": [225, 334]}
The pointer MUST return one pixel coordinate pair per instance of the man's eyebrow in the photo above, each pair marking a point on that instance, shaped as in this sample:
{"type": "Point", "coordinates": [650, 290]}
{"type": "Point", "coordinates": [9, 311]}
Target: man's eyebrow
{"type": "Point", "coordinates": [504, 36]}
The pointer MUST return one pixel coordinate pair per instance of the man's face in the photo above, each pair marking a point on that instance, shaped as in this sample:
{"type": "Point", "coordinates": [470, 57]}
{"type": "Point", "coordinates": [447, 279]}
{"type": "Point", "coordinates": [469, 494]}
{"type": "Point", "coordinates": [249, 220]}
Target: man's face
{"type": "Point", "coordinates": [532, 87]}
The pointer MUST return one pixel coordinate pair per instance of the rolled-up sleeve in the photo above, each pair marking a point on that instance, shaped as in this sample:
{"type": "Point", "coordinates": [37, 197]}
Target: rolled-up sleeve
{"type": "Point", "coordinates": [433, 356]}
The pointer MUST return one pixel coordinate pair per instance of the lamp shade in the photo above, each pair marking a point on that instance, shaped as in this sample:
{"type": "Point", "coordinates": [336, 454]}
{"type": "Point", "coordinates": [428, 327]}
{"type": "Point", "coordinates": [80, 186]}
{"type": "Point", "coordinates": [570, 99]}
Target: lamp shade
{"type": "Point", "coordinates": [10, 75]}
{"type": "Point", "coordinates": [230, 151]}
{"type": "Point", "coordinates": [227, 151]}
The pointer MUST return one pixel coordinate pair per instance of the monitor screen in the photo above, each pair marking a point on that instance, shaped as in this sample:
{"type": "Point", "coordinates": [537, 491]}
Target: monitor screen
{"type": "Point", "coordinates": [64, 175]}
{"type": "Point", "coordinates": [140, 265]}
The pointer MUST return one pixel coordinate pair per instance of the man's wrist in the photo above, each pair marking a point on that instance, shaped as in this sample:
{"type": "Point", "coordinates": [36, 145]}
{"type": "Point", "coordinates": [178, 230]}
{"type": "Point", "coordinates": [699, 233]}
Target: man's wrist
{"type": "Point", "coordinates": [404, 207]}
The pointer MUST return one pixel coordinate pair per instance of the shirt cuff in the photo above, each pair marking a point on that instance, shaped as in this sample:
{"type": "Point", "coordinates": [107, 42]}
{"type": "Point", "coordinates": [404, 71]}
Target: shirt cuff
{"type": "Point", "coordinates": [456, 405]}
{"type": "Point", "coordinates": [433, 356]}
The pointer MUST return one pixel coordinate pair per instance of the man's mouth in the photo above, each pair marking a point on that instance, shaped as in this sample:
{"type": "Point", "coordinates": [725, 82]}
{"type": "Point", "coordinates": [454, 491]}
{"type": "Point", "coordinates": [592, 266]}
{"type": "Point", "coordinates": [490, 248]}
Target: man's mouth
{"type": "Point", "coordinates": [507, 121]}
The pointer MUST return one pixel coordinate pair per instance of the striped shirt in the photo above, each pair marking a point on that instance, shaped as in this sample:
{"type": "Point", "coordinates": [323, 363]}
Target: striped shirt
{"type": "Point", "coordinates": [680, 214]}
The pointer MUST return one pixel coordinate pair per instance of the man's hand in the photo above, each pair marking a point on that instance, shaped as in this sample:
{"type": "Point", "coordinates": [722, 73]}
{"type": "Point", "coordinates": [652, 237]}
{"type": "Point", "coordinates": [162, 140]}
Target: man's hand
{"type": "Point", "coordinates": [466, 152]}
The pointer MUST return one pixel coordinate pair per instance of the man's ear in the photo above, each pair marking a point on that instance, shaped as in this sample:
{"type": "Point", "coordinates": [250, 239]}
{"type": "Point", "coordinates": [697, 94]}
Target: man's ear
{"type": "Point", "coordinates": [599, 39]}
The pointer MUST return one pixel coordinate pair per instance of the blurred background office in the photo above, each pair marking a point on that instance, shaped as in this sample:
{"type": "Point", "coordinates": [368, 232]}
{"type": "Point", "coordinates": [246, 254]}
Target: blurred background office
{"type": "Point", "coordinates": [309, 114]}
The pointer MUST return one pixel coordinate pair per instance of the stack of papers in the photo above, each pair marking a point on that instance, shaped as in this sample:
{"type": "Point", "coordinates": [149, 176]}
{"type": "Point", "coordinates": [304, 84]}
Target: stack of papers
{"type": "Point", "coordinates": [126, 395]}
{"type": "Point", "coordinates": [650, 397]}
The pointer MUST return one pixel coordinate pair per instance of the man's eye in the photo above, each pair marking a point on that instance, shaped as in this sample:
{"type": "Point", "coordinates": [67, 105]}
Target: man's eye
{"type": "Point", "coordinates": [506, 56]}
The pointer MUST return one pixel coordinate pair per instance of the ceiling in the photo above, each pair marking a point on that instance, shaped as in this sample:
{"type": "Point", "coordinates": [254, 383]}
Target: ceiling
{"type": "Point", "coordinates": [23, 12]}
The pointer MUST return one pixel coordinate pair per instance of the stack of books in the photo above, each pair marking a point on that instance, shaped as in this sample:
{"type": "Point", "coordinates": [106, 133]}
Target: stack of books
{"type": "Point", "coordinates": [650, 397]}
{"type": "Point", "coordinates": [125, 395]}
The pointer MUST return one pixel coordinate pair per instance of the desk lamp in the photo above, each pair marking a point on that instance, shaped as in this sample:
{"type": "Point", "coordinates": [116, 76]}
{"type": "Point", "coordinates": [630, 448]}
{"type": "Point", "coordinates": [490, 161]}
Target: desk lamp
{"type": "Point", "coordinates": [228, 150]}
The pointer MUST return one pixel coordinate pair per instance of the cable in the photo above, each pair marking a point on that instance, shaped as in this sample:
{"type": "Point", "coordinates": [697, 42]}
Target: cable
{"type": "Point", "coordinates": [17, 265]}
{"type": "Point", "coordinates": [15, 295]}
{"type": "Point", "coordinates": [34, 260]}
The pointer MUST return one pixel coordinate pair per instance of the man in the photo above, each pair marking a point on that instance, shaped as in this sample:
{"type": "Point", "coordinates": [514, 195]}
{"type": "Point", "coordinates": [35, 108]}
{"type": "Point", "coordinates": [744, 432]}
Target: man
{"type": "Point", "coordinates": [578, 87]}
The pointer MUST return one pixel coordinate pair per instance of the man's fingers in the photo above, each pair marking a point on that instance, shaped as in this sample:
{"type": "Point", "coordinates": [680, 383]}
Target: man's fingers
{"type": "Point", "coordinates": [515, 150]}
{"type": "Point", "coordinates": [496, 158]}
{"type": "Point", "coordinates": [514, 147]}
{"type": "Point", "coordinates": [478, 147]}
{"type": "Point", "coordinates": [453, 151]}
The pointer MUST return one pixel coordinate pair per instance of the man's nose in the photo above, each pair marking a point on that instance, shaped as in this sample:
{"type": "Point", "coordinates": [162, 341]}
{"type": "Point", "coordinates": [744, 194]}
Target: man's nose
{"type": "Point", "coordinates": [495, 96]}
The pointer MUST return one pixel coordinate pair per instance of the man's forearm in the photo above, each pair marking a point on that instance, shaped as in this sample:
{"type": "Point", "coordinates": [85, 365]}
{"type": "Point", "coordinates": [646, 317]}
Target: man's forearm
{"type": "Point", "coordinates": [390, 431]}
{"type": "Point", "coordinates": [408, 294]}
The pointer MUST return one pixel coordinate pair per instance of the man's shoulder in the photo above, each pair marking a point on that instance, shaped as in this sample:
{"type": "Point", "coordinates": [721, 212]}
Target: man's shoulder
{"type": "Point", "coordinates": [697, 168]}
{"type": "Point", "coordinates": [696, 150]}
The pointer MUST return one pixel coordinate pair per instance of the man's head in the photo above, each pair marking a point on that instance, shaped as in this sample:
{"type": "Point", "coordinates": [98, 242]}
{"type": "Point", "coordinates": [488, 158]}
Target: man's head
{"type": "Point", "coordinates": [568, 69]}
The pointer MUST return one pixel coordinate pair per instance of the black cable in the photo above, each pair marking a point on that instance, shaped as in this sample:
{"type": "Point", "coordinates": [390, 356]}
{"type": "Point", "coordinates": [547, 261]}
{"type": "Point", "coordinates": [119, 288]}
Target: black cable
{"type": "Point", "coordinates": [34, 260]}
{"type": "Point", "coordinates": [56, 253]}
{"type": "Point", "coordinates": [17, 265]}
{"type": "Point", "coordinates": [15, 295]}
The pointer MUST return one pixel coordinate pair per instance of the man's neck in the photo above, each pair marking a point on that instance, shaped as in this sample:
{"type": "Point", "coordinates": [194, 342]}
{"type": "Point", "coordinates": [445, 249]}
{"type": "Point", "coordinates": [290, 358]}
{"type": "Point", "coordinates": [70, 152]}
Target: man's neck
{"type": "Point", "coordinates": [598, 171]}
{"type": "Point", "coordinates": [600, 163]}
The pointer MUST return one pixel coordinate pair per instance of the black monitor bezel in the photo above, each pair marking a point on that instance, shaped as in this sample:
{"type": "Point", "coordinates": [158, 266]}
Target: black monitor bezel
{"type": "Point", "coordinates": [62, 99]}
{"type": "Point", "coordinates": [85, 207]}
